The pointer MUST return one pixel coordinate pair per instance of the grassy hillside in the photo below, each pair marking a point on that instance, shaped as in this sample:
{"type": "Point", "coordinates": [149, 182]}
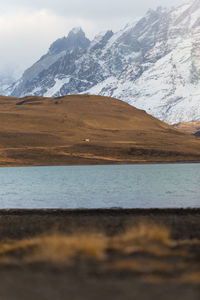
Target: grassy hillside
{"type": "Point", "coordinates": [84, 129]}
{"type": "Point", "coordinates": [189, 127]}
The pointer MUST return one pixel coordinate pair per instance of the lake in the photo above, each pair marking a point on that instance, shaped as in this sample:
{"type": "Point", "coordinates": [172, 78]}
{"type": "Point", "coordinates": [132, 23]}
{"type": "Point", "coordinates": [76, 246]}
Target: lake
{"type": "Point", "coordinates": [125, 186]}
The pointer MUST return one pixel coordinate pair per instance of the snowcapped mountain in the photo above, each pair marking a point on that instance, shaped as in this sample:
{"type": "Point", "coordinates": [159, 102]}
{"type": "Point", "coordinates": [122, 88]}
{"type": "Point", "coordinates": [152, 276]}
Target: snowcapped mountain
{"type": "Point", "coordinates": [153, 64]}
{"type": "Point", "coordinates": [6, 80]}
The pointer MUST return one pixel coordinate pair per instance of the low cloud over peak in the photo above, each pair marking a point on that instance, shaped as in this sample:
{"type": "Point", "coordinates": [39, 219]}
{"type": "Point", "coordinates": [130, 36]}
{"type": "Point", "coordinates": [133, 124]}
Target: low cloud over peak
{"type": "Point", "coordinates": [28, 27]}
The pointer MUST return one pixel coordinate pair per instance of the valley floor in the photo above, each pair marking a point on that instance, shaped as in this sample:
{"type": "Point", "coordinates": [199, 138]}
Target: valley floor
{"type": "Point", "coordinates": [93, 154]}
{"type": "Point", "coordinates": [100, 254]}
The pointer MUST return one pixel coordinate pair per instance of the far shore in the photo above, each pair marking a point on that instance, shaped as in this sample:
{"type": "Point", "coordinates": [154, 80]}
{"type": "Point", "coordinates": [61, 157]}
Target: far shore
{"type": "Point", "coordinates": [102, 163]}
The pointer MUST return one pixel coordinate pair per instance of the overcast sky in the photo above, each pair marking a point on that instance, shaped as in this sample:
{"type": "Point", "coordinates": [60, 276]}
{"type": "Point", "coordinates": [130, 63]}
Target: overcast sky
{"type": "Point", "coordinates": [28, 27]}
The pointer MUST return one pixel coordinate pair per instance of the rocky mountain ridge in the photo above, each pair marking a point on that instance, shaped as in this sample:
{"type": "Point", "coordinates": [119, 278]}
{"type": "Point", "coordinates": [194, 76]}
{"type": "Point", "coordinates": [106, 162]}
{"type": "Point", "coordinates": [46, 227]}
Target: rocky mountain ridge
{"type": "Point", "coordinates": [153, 64]}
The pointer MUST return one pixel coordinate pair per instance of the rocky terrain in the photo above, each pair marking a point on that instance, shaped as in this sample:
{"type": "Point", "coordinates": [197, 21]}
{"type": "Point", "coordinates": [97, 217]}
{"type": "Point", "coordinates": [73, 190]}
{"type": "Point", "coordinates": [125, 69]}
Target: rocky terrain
{"type": "Point", "coordinates": [152, 64]}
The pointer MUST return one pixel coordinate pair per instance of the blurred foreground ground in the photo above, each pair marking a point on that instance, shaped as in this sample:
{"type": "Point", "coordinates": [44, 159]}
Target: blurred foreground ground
{"type": "Point", "coordinates": [100, 254]}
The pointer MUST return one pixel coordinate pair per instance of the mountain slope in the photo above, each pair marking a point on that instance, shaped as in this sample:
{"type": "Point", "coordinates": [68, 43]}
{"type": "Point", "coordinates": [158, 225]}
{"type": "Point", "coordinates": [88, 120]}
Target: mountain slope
{"type": "Point", "coordinates": [86, 130]}
{"type": "Point", "coordinates": [190, 127]}
{"type": "Point", "coordinates": [153, 65]}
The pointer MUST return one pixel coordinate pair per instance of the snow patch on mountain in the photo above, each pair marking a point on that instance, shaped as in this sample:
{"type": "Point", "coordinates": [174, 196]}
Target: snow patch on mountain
{"type": "Point", "coordinates": [153, 64]}
{"type": "Point", "coordinates": [57, 86]}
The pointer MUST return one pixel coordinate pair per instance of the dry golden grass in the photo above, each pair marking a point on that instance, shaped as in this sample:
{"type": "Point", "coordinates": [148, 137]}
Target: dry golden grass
{"type": "Point", "coordinates": [149, 238]}
{"type": "Point", "coordinates": [145, 232]}
{"type": "Point", "coordinates": [53, 133]}
{"type": "Point", "coordinates": [56, 248]}
{"type": "Point", "coordinates": [59, 248]}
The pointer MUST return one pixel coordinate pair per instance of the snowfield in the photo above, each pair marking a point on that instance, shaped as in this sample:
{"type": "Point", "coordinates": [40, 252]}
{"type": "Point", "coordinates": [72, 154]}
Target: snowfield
{"type": "Point", "coordinates": [153, 64]}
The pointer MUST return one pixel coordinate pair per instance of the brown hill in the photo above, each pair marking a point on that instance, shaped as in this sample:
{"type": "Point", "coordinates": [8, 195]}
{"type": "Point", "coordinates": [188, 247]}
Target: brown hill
{"type": "Point", "coordinates": [189, 127]}
{"type": "Point", "coordinates": [86, 130]}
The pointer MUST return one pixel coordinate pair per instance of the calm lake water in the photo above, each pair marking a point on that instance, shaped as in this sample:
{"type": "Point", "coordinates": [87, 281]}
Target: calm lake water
{"type": "Point", "coordinates": [127, 186]}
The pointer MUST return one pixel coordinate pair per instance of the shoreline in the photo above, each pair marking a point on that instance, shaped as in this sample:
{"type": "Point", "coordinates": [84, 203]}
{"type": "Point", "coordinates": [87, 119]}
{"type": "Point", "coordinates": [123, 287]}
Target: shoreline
{"type": "Point", "coordinates": [20, 223]}
{"type": "Point", "coordinates": [93, 211]}
{"type": "Point", "coordinates": [103, 164]}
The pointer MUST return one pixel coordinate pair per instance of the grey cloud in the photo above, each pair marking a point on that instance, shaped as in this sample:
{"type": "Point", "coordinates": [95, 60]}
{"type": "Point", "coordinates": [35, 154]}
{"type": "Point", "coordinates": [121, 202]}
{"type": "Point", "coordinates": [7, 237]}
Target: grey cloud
{"type": "Point", "coordinates": [30, 32]}
{"type": "Point", "coordinates": [92, 9]}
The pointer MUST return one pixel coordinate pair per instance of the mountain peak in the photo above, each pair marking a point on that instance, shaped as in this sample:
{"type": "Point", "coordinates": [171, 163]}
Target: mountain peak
{"type": "Point", "coordinates": [76, 30]}
{"type": "Point", "coordinates": [75, 39]}
{"type": "Point", "coordinates": [153, 64]}
{"type": "Point", "coordinates": [76, 33]}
